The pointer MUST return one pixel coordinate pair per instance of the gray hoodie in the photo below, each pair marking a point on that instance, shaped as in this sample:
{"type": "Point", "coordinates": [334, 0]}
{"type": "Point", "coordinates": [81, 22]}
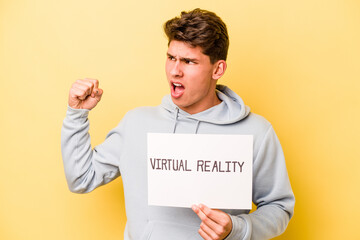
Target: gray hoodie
{"type": "Point", "coordinates": [125, 152]}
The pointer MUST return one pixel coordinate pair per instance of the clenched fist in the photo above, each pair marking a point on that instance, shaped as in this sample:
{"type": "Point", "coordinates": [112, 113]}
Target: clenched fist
{"type": "Point", "coordinates": [85, 94]}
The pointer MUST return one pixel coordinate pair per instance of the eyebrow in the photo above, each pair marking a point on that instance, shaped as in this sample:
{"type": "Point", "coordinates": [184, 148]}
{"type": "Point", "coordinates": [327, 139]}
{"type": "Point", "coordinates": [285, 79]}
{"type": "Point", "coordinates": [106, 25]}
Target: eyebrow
{"type": "Point", "coordinates": [184, 59]}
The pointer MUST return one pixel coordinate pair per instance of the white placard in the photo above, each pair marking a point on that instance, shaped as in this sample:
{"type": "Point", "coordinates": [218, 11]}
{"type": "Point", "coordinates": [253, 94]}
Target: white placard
{"type": "Point", "coordinates": [187, 169]}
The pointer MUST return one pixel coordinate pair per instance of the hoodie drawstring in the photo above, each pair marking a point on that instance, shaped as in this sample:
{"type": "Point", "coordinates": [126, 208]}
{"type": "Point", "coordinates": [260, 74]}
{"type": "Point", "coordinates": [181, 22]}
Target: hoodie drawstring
{"type": "Point", "coordinates": [197, 126]}
{"type": "Point", "coordinates": [176, 120]}
{"type": "Point", "coordinates": [176, 117]}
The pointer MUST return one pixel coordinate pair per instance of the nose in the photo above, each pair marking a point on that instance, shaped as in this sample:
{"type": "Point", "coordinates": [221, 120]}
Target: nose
{"type": "Point", "coordinates": [176, 69]}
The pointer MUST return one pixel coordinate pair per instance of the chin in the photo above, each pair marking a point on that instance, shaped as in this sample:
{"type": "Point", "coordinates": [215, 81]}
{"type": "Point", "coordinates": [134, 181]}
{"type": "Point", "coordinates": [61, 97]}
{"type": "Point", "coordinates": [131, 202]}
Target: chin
{"type": "Point", "coordinates": [178, 103]}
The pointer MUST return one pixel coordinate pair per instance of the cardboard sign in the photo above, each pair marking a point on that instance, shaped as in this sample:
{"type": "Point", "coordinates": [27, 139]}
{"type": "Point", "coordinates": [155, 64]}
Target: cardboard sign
{"type": "Point", "coordinates": [187, 169]}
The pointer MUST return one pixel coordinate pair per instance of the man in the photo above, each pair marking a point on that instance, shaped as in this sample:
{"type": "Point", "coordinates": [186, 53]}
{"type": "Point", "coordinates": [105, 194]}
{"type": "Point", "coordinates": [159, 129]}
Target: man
{"type": "Point", "coordinates": [196, 59]}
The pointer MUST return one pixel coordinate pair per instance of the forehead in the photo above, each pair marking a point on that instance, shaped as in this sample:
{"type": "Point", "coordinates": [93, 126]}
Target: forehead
{"type": "Point", "coordinates": [185, 50]}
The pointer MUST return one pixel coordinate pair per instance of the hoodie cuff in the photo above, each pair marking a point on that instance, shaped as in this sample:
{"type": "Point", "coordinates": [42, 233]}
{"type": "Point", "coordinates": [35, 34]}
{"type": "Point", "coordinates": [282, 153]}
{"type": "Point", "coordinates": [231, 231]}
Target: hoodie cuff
{"type": "Point", "coordinates": [76, 114]}
{"type": "Point", "coordinates": [240, 229]}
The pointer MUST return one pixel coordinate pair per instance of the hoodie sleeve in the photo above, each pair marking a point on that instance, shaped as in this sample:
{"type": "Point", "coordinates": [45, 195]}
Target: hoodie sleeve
{"type": "Point", "coordinates": [87, 168]}
{"type": "Point", "coordinates": [272, 194]}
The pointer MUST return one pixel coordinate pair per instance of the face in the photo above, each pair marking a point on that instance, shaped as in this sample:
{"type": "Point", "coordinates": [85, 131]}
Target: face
{"type": "Point", "coordinates": [192, 77]}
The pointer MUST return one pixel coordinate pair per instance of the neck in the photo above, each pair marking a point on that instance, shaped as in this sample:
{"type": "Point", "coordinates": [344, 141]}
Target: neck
{"type": "Point", "coordinates": [196, 109]}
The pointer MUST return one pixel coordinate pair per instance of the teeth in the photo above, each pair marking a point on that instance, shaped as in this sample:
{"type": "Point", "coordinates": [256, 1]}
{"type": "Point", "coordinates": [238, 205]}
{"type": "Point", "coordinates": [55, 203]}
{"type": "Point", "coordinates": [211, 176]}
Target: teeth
{"type": "Point", "coordinates": [177, 84]}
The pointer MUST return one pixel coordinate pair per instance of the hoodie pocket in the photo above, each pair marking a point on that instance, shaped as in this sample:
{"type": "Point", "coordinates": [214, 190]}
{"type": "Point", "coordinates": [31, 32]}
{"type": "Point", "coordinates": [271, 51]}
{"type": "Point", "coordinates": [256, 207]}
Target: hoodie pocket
{"type": "Point", "coordinates": [156, 230]}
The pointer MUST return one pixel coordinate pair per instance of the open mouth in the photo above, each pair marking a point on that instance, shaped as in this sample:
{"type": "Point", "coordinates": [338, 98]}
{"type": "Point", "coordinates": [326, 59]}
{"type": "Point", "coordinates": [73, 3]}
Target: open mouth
{"type": "Point", "coordinates": [177, 90]}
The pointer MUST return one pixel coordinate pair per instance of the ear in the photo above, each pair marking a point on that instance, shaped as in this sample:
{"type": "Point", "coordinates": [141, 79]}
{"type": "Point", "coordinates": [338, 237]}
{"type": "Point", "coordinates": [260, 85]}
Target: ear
{"type": "Point", "coordinates": [219, 69]}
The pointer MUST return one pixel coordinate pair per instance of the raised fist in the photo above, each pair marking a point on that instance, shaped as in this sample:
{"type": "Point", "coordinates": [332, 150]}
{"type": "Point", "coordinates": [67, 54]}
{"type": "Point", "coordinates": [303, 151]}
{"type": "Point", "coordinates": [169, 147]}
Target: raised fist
{"type": "Point", "coordinates": [85, 94]}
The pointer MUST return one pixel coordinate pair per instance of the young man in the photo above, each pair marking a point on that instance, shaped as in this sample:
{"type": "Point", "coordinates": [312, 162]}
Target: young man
{"type": "Point", "coordinates": [196, 59]}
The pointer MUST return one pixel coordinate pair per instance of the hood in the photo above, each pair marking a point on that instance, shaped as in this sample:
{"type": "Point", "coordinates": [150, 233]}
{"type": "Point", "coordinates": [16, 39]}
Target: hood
{"type": "Point", "coordinates": [232, 108]}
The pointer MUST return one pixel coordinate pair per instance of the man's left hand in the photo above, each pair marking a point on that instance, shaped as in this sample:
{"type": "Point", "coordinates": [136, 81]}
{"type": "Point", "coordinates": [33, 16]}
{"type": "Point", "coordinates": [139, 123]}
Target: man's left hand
{"type": "Point", "coordinates": [215, 224]}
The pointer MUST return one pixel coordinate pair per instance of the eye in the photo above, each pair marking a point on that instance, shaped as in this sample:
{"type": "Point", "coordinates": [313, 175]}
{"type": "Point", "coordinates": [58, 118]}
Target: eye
{"type": "Point", "coordinates": [187, 61]}
{"type": "Point", "coordinates": [171, 58]}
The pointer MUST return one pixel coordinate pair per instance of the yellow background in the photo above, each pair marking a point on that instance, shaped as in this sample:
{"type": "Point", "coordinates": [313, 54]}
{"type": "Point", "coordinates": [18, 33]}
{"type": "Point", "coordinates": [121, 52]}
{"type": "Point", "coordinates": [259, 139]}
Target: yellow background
{"type": "Point", "coordinates": [294, 62]}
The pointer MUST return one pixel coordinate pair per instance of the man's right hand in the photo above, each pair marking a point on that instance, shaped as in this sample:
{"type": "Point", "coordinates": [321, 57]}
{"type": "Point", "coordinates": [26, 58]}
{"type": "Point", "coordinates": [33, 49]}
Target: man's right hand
{"type": "Point", "coordinates": [85, 94]}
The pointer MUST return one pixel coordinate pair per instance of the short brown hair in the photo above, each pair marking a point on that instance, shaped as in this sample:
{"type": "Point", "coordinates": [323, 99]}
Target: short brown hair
{"type": "Point", "coordinates": [200, 28]}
